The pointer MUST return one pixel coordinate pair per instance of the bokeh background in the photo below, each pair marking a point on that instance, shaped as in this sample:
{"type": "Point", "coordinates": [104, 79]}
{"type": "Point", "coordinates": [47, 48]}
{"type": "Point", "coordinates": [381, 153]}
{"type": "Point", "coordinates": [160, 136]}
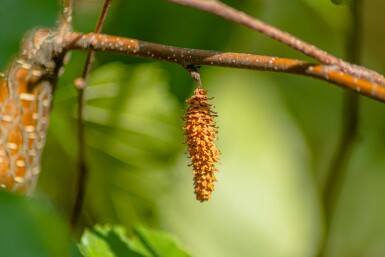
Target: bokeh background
{"type": "Point", "coordinates": [277, 132]}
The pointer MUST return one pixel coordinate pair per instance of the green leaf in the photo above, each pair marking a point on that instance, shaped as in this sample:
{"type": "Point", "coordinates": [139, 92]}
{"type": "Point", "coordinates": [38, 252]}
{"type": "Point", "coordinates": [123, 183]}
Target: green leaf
{"type": "Point", "coordinates": [111, 241]}
{"type": "Point", "coordinates": [160, 244]}
{"type": "Point", "coordinates": [108, 242]}
{"type": "Point", "coordinates": [29, 227]}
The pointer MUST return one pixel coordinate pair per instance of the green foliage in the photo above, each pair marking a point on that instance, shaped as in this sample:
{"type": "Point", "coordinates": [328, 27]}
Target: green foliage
{"type": "Point", "coordinates": [111, 241]}
{"type": "Point", "coordinates": [133, 136]}
{"type": "Point", "coordinates": [277, 134]}
{"type": "Point", "coordinates": [30, 227]}
{"type": "Point", "coordinates": [27, 15]}
{"type": "Point", "coordinates": [338, 2]}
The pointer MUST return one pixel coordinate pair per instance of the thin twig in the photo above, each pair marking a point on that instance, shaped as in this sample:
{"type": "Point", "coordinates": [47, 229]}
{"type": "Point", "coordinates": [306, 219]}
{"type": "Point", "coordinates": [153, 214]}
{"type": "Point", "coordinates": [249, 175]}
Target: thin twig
{"type": "Point", "coordinates": [350, 113]}
{"type": "Point", "coordinates": [222, 10]}
{"type": "Point", "coordinates": [194, 74]}
{"type": "Point", "coordinates": [80, 84]}
{"type": "Point", "coordinates": [98, 29]}
{"type": "Point", "coordinates": [67, 10]}
{"type": "Point", "coordinates": [186, 57]}
{"type": "Point", "coordinates": [337, 172]}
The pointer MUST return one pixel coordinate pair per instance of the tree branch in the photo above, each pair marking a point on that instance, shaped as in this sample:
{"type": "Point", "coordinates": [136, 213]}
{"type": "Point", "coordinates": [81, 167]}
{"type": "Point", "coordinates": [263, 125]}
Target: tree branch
{"type": "Point", "coordinates": [222, 10]}
{"type": "Point", "coordinates": [186, 57]}
{"type": "Point", "coordinates": [81, 84]}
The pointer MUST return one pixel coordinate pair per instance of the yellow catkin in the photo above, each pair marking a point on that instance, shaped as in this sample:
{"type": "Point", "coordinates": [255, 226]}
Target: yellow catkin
{"type": "Point", "coordinates": [200, 131]}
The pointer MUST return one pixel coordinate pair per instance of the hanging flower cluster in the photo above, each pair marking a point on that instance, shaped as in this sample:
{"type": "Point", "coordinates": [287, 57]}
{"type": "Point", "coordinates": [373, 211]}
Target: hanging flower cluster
{"type": "Point", "coordinates": [200, 131]}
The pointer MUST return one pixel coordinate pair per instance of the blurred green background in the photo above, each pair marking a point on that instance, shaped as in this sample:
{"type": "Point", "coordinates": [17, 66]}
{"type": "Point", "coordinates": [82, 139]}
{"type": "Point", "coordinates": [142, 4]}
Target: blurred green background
{"type": "Point", "coordinates": [277, 132]}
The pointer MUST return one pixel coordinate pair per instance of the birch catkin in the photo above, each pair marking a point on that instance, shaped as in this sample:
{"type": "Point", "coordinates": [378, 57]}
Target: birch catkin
{"type": "Point", "coordinates": [200, 131]}
{"type": "Point", "coordinates": [25, 102]}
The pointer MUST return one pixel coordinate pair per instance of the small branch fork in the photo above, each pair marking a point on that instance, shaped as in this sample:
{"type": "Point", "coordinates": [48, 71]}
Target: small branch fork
{"type": "Point", "coordinates": [351, 79]}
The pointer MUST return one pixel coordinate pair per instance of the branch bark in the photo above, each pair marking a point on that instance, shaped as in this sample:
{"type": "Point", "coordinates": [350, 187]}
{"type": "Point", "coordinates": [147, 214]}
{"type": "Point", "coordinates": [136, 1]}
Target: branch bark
{"type": "Point", "coordinates": [222, 10]}
{"type": "Point", "coordinates": [353, 80]}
